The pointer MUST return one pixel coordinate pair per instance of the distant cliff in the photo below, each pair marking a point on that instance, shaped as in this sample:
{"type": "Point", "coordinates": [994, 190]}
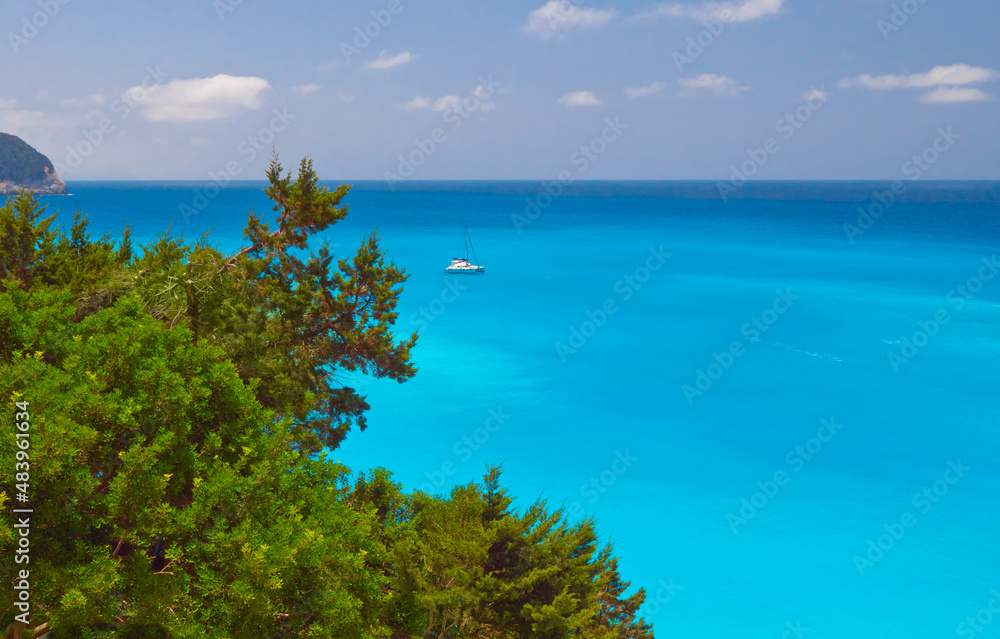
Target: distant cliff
{"type": "Point", "coordinates": [21, 166]}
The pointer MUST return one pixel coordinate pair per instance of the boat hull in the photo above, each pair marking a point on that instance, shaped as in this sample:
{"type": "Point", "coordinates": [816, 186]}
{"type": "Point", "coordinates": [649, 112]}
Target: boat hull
{"type": "Point", "coordinates": [466, 271]}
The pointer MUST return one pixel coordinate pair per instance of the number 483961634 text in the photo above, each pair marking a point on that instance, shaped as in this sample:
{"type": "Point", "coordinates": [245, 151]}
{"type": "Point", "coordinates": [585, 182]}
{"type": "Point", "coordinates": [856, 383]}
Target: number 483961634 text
{"type": "Point", "coordinates": [22, 466]}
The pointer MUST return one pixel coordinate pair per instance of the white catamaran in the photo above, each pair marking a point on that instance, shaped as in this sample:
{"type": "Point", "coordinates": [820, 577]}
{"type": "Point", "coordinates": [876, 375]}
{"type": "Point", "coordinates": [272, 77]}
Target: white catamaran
{"type": "Point", "coordinates": [463, 265]}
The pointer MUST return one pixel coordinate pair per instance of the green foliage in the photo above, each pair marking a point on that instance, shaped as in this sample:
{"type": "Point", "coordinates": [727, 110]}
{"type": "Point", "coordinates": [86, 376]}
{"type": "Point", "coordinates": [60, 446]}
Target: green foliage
{"type": "Point", "coordinates": [27, 243]}
{"type": "Point", "coordinates": [300, 319]}
{"type": "Point", "coordinates": [281, 312]}
{"type": "Point", "coordinates": [182, 404]}
{"type": "Point", "coordinates": [475, 567]}
{"type": "Point", "coordinates": [20, 163]}
{"type": "Point", "coordinates": [33, 252]}
{"type": "Point", "coordinates": [139, 433]}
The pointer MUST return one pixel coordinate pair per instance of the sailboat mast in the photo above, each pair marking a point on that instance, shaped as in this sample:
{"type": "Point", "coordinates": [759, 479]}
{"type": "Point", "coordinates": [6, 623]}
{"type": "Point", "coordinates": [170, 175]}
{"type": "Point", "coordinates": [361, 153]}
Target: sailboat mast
{"type": "Point", "coordinates": [468, 240]}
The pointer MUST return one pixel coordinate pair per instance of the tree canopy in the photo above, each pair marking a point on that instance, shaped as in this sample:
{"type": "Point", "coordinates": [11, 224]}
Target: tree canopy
{"type": "Point", "coordinates": [183, 406]}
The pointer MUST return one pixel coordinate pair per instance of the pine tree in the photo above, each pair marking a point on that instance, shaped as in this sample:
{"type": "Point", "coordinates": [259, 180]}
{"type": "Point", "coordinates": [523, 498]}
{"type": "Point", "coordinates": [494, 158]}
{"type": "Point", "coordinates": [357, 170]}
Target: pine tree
{"type": "Point", "coordinates": [182, 401]}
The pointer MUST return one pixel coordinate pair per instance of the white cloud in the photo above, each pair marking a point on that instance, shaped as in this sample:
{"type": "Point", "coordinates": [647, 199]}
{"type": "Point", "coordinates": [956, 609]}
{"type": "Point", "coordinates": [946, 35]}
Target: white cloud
{"type": "Point", "coordinates": [385, 61]}
{"type": "Point", "coordinates": [646, 91]}
{"type": "Point", "coordinates": [945, 81]}
{"type": "Point", "coordinates": [91, 100]}
{"type": "Point", "coordinates": [449, 102]}
{"type": "Point", "coordinates": [728, 12]}
{"type": "Point", "coordinates": [201, 98]}
{"type": "Point", "coordinates": [717, 84]}
{"type": "Point", "coordinates": [16, 122]}
{"type": "Point", "coordinates": [418, 103]}
{"type": "Point", "coordinates": [20, 120]}
{"type": "Point", "coordinates": [954, 75]}
{"type": "Point", "coordinates": [306, 89]}
{"type": "Point", "coordinates": [817, 94]}
{"type": "Point", "coordinates": [580, 98]}
{"type": "Point", "coordinates": [556, 15]}
{"type": "Point", "coordinates": [952, 94]}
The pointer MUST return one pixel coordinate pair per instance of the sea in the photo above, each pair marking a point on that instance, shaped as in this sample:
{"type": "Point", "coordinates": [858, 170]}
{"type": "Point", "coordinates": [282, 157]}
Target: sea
{"type": "Point", "coordinates": [780, 406]}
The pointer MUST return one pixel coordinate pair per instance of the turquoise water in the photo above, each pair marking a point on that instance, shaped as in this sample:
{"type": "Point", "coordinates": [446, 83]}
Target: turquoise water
{"type": "Point", "coordinates": [772, 319]}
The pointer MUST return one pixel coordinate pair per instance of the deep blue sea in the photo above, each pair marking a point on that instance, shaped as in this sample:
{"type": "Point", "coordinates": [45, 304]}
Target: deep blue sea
{"type": "Point", "coordinates": [787, 427]}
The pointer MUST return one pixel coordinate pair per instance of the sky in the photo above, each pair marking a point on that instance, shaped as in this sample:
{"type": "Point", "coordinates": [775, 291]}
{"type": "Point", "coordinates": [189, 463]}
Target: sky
{"type": "Point", "coordinates": [521, 89]}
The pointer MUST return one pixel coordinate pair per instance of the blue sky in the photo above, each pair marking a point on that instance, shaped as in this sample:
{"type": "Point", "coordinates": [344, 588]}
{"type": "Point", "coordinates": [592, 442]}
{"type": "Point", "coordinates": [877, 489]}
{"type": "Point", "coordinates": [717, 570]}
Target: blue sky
{"type": "Point", "coordinates": [538, 80]}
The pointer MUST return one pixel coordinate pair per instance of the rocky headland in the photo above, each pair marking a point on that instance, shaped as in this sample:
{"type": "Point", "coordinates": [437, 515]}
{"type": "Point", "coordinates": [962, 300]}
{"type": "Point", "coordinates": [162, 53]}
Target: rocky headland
{"type": "Point", "coordinates": [22, 167]}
